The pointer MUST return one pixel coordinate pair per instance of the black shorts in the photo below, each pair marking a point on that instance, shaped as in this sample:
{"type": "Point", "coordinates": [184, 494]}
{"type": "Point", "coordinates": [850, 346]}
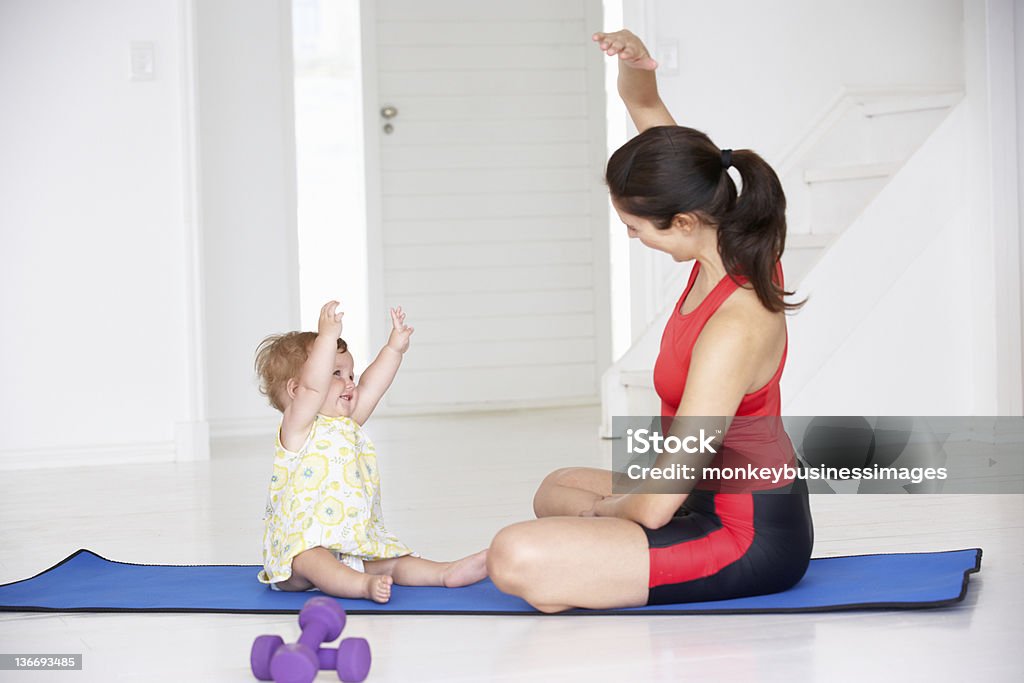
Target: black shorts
{"type": "Point", "coordinates": [731, 545]}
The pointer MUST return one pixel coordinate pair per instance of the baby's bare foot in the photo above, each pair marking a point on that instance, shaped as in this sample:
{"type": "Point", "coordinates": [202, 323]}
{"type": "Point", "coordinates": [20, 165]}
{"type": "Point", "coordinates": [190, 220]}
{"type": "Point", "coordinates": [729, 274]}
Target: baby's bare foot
{"type": "Point", "coordinates": [377, 587]}
{"type": "Point", "coordinates": [466, 571]}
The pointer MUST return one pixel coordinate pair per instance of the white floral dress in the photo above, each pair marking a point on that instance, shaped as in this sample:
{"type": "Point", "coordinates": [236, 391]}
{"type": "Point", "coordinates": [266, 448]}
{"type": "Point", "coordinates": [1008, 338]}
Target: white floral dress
{"type": "Point", "coordinates": [327, 494]}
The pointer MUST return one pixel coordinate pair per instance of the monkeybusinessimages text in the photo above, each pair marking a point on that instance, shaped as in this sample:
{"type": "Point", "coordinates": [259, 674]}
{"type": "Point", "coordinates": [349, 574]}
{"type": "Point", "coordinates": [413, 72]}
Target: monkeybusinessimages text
{"type": "Point", "coordinates": [644, 441]}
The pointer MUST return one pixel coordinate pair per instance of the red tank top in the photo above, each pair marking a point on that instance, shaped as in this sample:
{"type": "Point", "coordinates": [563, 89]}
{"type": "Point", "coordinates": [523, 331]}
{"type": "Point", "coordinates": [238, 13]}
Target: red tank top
{"type": "Point", "coordinates": [755, 441]}
{"type": "Point", "coordinates": [677, 344]}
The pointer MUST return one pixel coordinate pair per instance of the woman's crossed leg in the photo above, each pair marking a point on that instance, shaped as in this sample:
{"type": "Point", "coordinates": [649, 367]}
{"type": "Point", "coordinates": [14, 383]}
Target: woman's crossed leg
{"type": "Point", "coordinates": [557, 563]}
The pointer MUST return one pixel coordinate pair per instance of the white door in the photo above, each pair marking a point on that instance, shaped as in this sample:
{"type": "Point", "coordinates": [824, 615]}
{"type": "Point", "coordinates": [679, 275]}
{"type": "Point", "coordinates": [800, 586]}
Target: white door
{"type": "Point", "coordinates": [486, 208]}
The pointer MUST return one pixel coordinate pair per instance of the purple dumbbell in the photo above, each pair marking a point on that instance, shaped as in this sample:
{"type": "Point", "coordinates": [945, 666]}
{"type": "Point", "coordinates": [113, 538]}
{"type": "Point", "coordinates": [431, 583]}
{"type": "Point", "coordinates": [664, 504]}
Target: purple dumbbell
{"type": "Point", "coordinates": [351, 659]}
{"type": "Point", "coordinates": [263, 649]}
{"type": "Point", "coordinates": [322, 620]}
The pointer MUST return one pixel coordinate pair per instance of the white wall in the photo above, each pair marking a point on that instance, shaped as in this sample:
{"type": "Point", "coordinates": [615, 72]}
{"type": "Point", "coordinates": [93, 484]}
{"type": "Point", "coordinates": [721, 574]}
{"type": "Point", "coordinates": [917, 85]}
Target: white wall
{"type": "Point", "coordinates": [758, 75]}
{"type": "Point", "coordinates": [886, 328]}
{"type": "Point", "coordinates": [93, 237]}
{"type": "Point", "coordinates": [1018, 47]}
{"type": "Point", "coordinates": [148, 227]}
{"type": "Point", "coordinates": [992, 235]}
{"type": "Point", "coordinates": [930, 321]}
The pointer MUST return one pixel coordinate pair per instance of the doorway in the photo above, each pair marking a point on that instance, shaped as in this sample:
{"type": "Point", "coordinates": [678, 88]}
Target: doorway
{"type": "Point", "coordinates": [477, 201]}
{"type": "Point", "coordinates": [329, 166]}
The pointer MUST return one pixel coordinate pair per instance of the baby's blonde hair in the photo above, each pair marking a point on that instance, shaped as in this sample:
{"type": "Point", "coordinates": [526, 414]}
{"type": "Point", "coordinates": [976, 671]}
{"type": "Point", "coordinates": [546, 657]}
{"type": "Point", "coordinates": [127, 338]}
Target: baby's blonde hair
{"type": "Point", "coordinates": [279, 358]}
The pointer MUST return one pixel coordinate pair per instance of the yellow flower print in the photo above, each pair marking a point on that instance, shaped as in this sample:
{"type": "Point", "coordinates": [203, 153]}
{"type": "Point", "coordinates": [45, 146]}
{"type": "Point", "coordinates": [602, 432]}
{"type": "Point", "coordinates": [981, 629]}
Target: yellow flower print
{"type": "Point", "coordinates": [330, 511]}
{"type": "Point", "coordinates": [277, 540]}
{"type": "Point", "coordinates": [369, 547]}
{"type": "Point", "coordinates": [293, 545]}
{"type": "Point", "coordinates": [369, 468]}
{"type": "Point", "coordinates": [311, 472]}
{"type": "Point", "coordinates": [354, 474]}
{"type": "Point", "coordinates": [323, 445]}
{"type": "Point", "coordinates": [349, 435]}
{"type": "Point", "coordinates": [279, 478]}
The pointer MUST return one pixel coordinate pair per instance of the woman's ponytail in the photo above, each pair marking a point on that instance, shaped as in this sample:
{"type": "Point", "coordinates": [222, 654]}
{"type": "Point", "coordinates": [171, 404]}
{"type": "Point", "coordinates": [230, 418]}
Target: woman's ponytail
{"type": "Point", "coordinates": [670, 170]}
{"type": "Point", "coordinates": [752, 233]}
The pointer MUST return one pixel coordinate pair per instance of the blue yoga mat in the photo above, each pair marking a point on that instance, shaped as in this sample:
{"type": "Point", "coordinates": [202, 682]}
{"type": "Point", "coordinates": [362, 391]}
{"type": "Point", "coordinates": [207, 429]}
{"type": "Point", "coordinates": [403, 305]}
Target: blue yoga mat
{"type": "Point", "coordinates": [86, 582]}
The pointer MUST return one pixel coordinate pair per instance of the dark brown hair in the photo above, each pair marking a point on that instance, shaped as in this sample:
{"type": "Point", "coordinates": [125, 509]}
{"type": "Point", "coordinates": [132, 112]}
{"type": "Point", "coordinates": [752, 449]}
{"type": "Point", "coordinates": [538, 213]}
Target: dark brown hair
{"type": "Point", "coordinates": [669, 170]}
{"type": "Point", "coordinates": [279, 358]}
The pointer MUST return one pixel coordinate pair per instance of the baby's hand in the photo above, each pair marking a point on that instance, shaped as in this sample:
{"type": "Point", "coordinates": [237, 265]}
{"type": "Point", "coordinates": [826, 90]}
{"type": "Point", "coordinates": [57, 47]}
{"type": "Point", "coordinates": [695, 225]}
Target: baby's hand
{"type": "Point", "coordinates": [628, 47]}
{"type": "Point", "coordinates": [400, 332]}
{"type": "Point", "coordinates": [330, 320]}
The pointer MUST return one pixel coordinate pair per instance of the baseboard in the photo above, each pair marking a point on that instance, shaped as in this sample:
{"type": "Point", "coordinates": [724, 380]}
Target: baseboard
{"type": "Point", "coordinates": [85, 456]}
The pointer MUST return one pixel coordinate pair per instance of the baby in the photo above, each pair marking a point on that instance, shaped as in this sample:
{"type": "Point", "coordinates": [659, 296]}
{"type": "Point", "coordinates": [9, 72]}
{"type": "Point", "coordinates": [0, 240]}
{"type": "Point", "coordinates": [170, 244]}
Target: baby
{"type": "Point", "coordinates": [324, 527]}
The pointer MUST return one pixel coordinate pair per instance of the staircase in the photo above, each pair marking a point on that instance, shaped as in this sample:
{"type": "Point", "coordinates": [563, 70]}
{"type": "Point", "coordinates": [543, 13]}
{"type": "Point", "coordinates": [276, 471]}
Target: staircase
{"type": "Point", "coordinates": [860, 141]}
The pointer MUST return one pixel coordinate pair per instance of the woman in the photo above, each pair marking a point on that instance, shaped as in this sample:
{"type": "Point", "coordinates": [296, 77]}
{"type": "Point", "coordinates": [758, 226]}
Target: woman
{"type": "Point", "coordinates": [722, 355]}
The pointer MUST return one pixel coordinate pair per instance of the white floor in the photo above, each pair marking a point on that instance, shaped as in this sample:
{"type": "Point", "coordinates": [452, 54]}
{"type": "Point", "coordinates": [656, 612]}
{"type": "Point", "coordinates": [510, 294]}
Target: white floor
{"type": "Point", "coordinates": [449, 484]}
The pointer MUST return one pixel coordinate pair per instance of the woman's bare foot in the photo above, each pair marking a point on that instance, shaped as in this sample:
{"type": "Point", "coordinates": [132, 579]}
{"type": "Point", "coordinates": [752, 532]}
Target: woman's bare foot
{"type": "Point", "coordinates": [377, 587]}
{"type": "Point", "coordinates": [466, 571]}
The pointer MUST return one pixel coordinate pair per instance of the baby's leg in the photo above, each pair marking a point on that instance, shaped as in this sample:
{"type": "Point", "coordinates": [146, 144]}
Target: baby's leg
{"type": "Point", "coordinates": [416, 571]}
{"type": "Point", "coordinates": [319, 567]}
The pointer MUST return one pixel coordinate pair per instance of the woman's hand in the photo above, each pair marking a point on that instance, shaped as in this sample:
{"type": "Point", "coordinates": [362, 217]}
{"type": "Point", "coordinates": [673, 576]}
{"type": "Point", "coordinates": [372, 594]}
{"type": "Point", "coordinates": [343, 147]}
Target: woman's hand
{"type": "Point", "coordinates": [330, 320]}
{"type": "Point", "coordinates": [630, 49]}
{"type": "Point", "coordinates": [637, 85]}
{"type": "Point", "coordinates": [604, 507]}
{"type": "Point", "coordinates": [400, 332]}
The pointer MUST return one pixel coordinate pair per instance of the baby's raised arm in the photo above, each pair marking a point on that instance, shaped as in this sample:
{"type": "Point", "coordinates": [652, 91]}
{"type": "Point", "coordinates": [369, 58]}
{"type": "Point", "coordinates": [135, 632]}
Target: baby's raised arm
{"type": "Point", "coordinates": [637, 85]}
{"type": "Point", "coordinates": [381, 372]}
{"type": "Point", "coordinates": [314, 381]}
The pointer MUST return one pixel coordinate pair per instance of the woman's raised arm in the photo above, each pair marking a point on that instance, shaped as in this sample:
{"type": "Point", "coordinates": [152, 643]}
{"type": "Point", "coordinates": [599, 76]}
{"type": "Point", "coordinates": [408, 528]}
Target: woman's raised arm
{"type": "Point", "coordinates": [637, 85]}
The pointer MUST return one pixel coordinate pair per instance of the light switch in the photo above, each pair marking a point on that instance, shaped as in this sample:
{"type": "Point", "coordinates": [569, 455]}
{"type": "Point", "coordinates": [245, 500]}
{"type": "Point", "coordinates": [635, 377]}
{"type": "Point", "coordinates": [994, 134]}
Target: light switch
{"type": "Point", "coordinates": [666, 53]}
{"type": "Point", "coordinates": [143, 61]}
